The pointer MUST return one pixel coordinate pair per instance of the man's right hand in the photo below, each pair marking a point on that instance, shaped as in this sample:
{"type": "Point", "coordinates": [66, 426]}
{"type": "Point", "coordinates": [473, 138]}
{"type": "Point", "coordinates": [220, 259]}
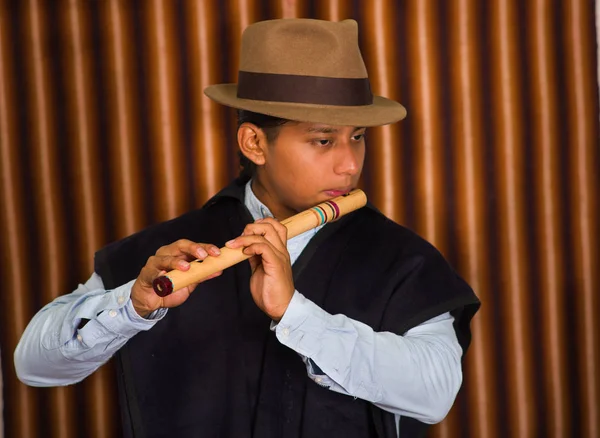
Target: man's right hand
{"type": "Point", "coordinates": [177, 255]}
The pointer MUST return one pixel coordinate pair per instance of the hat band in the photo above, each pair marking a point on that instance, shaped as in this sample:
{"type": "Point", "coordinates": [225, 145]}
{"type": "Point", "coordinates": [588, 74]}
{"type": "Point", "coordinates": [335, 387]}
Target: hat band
{"type": "Point", "coordinates": [317, 90]}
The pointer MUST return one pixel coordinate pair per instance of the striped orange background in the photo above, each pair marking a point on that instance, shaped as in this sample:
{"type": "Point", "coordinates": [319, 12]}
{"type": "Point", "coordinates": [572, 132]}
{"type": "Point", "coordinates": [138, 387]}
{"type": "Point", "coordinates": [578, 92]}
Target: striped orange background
{"type": "Point", "coordinates": [104, 130]}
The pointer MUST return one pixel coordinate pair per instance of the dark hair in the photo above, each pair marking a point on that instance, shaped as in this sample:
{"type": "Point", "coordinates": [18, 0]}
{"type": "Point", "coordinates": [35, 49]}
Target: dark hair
{"type": "Point", "coordinates": [270, 126]}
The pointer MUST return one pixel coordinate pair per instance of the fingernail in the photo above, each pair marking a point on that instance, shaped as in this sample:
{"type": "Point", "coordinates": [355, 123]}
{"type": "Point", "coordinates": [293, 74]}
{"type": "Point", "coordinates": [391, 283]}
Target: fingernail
{"type": "Point", "coordinates": [202, 252]}
{"type": "Point", "coordinates": [183, 264]}
{"type": "Point", "coordinates": [216, 250]}
{"type": "Point", "coordinates": [229, 242]}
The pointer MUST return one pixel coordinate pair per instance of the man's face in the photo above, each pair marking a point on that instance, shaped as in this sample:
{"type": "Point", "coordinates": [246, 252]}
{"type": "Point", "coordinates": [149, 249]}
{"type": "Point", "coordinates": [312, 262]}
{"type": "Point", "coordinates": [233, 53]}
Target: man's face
{"type": "Point", "coordinates": [309, 163]}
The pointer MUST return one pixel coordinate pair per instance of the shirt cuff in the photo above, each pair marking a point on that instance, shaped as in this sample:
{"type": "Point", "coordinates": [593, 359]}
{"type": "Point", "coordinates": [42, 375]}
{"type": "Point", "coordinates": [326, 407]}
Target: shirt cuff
{"type": "Point", "coordinates": [118, 317]}
{"type": "Point", "coordinates": [301, 326]}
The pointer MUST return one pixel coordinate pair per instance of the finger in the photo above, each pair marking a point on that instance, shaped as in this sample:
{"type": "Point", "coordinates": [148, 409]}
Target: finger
{"type": "Point", "coordinates": [269, 232]}
{"type": "Point", "coordinates": [280, 229]}
{"type": "Point", "coordinates": [212, 250]}
{"type": "Point", "coordinates": [190, 250]}
{"type": "Point", "coordinates": [158, 264]}
{"type": "Point", "coordinates": [178, 247]}
{"type": "Point", "coordinates": [268, 255]}
{"type": "Point", "coordinates": [203, 250]}
{"type": "Point", "coordinates": [254, 239]}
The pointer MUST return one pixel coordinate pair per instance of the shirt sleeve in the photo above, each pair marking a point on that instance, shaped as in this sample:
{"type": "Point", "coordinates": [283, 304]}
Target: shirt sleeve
{"type": "Point", "coordinates": [416, 375]}
{"type": "Point", "coordinates": [57, 349]}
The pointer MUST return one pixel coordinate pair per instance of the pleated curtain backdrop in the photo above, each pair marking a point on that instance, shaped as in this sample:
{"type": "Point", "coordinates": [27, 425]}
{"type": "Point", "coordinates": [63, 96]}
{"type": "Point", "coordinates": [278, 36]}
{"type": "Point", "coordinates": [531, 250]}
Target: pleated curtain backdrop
{"type": "Point", "coordinates": [104, 130]}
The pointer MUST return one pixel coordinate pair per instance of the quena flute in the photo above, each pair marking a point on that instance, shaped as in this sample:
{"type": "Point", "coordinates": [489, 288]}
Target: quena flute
{"type": "Point", "coordinates": [327, 211]}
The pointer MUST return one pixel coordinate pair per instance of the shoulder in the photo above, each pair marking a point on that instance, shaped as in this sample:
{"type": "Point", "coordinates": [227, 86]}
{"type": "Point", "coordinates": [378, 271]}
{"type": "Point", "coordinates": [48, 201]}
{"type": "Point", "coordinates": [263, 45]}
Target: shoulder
{"type": "Point", "coordinates": [421, 276]}
{"type": "Point", "coordinates": [384, 231]}
{"type": "Point", "coordinates": [418, 265]}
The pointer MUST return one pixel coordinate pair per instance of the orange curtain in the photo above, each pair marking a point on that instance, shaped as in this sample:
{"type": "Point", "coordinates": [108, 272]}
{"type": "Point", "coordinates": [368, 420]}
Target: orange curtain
{"type": "Point", "coordinates": [104, 130]}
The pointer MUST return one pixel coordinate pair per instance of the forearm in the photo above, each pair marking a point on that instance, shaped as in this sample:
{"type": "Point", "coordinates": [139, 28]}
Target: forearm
{"type": "Point", "coordinates": [416, 375]}
{"type": "Point", "coordinates": [57, 349]}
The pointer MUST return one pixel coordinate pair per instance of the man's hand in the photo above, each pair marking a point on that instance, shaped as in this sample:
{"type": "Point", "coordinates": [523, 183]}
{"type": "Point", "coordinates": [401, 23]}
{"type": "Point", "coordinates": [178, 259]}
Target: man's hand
{"type": "Point", "coordinates": [271, 284]}
{"type": "Point", "coordinates": [174, 256]}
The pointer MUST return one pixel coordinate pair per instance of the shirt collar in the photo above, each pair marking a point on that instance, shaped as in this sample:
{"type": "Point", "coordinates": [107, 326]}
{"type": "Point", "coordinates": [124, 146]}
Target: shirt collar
{"type": "Point", "coordinates": [257, 209]}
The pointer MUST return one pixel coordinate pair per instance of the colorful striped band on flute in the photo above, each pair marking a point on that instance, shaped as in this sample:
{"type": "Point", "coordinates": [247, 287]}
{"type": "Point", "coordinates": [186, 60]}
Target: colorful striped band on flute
{"type": "Point", "coordinates": [325, 204]}
{"type": "Point", "coordinates": [335, 208]}
{"type": "Point", "coordinates": [321, 213]}
{"type": "Point", "coordinates": [317, 215]}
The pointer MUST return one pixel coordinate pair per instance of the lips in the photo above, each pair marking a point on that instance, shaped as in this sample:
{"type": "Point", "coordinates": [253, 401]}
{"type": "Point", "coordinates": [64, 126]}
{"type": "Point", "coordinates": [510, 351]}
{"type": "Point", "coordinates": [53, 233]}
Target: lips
{"type": "Point", "coordinates": [338, 191]}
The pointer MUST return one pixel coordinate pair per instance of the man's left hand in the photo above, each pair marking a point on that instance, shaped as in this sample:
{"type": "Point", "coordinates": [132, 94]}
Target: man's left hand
{"type": "Point", "coordinates": [271, 284]}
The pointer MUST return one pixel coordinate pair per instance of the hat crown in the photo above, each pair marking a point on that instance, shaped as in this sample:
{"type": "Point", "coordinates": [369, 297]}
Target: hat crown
{"type": "Point", "coordinates": [303, 47]}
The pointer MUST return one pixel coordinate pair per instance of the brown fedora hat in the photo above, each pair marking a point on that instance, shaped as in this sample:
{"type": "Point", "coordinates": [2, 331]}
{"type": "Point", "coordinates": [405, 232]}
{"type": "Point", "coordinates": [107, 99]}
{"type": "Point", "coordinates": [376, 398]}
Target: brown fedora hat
{"type": "Point", "coordinates": [308, 71]}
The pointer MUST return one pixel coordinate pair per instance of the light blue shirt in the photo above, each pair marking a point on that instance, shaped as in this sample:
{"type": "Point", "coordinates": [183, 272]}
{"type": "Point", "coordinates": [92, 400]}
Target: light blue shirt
{"type": "Point", "coordinates": [417, 374]}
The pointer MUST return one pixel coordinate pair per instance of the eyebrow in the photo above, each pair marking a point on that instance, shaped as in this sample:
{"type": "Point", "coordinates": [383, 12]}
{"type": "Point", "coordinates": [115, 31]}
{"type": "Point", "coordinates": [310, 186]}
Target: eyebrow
{"type": "Point", "coordinates": [328, 130]}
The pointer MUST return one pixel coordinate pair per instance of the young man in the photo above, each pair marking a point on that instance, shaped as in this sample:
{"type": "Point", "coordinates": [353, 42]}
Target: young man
{"type": "Point", "coordinates": [354, 329]}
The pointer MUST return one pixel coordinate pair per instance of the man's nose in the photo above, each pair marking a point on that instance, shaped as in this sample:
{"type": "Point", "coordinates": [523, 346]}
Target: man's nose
{"type": "Point", "coordinates": [348, 160]}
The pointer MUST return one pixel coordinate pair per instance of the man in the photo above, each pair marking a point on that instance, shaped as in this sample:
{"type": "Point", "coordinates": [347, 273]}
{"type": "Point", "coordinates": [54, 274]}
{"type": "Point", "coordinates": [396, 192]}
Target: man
{"type": "Point", "coordinates": [354, 329]}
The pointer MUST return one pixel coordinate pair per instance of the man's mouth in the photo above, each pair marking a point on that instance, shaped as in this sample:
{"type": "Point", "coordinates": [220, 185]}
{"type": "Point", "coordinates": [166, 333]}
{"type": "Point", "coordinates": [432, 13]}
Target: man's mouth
{"type": "Point", "coordinates": [338, 191]}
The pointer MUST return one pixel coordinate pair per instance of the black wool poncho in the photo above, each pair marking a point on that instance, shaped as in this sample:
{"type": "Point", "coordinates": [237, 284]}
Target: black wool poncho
{"type": "Point", "coordinates": [213, 368]}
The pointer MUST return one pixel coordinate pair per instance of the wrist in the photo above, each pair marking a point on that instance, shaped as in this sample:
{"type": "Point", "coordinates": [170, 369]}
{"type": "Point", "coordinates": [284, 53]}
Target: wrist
{"type": "Point", "coordinates": [141, 306]}
{"type": "Point", "coordinates": [277, 313]}
{"type": "Point", "coordinates": [276, 317]}
{"type": "Point", "coordinates": [143, 312]}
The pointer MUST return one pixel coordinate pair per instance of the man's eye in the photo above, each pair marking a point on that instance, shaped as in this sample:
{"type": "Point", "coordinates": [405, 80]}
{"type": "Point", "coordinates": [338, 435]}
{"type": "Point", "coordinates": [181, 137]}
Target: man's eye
{"type": "Point", "coordinates": [358, 137]}
{"type": "Point", "coordinates": [322, 142]}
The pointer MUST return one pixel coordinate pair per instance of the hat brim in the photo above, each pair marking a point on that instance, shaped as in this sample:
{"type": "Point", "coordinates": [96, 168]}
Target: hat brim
{"type": "Point", "coordinates": [382, 112]}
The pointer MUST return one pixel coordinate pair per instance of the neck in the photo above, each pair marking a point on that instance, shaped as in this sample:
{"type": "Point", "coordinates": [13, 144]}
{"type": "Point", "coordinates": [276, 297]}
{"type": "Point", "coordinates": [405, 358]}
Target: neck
{"type": "Point", "coordinates": [265, 195]}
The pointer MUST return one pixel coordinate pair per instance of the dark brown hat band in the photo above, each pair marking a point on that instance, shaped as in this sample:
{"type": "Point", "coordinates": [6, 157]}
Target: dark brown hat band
{"type": "Point", "coordinates": [315, 90]}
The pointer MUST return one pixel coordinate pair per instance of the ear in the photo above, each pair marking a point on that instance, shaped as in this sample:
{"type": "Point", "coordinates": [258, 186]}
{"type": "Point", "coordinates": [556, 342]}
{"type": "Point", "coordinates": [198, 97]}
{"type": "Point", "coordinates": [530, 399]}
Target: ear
{"type": "Point", "coordinates": [252, 141]}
